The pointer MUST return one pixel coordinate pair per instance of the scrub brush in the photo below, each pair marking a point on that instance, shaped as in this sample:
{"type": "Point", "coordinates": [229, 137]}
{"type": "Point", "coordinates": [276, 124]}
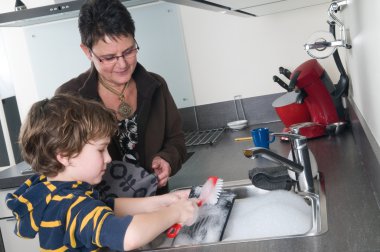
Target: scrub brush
{"type": "Point", "coordinates": [210, 193]}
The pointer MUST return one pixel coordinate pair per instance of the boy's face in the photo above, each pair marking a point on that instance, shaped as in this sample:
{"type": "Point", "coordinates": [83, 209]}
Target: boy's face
{"type": "Point", "coordinates": [90, 165]}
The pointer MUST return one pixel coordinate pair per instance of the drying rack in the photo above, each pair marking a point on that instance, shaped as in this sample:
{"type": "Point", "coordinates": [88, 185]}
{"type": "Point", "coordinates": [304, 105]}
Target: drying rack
{"type": "Point", "coordinates": [201, 137]}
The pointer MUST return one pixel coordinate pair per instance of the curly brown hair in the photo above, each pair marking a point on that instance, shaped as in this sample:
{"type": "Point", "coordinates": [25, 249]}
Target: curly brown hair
{"type": "Point", "coordinates": [62, 124]}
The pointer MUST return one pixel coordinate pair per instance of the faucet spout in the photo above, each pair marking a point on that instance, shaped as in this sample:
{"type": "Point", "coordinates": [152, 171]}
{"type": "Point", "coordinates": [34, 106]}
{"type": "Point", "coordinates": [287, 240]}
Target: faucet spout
{"type": "Point", "coordinates": [300, 165]}
{"type": "Point", "coordinates": [265, 153]}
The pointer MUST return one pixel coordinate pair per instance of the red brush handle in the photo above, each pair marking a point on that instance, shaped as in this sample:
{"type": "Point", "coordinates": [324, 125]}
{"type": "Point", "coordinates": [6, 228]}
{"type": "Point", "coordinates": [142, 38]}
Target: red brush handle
{"type": "Point", "coordinates": [173, 230]}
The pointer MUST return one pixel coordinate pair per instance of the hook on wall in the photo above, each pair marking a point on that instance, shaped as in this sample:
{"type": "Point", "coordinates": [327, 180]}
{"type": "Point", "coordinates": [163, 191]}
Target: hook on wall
{"type": "Point", "coordinates": [322, 44]}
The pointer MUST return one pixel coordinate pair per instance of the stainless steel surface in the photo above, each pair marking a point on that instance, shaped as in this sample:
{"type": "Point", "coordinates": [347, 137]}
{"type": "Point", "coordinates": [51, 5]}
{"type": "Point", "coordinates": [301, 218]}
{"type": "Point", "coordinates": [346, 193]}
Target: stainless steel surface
{"type": "Point", "coordinates": [202, 137]}
{"type": "Point", "coordinates": [254, 152]}
{"type": "Point", "coordinates": [335, 128]}
{"type": "Point", "coordinates": [323, 44]}
{"type": "Point", "coordinates": [301, 166]}
{"type": "Point", "coordinates": [244, 190]}
{"type": "Point", "coordinates": [353, 213]}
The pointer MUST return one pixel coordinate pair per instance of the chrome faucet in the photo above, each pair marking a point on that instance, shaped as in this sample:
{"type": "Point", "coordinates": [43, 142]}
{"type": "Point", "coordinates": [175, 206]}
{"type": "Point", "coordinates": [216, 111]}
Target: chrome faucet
{"type": "Point", "coordinates": [301, 164]}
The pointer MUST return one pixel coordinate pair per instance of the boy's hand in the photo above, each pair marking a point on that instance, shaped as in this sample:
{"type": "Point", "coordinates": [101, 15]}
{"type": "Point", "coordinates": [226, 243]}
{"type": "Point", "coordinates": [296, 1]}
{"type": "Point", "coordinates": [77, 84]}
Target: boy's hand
{"type": "Point", "coordinates": [181, 194]}
{"type": "Point", "coordinates": [172, 197]}
{"type": "Point", "coordinates": [188, 211]}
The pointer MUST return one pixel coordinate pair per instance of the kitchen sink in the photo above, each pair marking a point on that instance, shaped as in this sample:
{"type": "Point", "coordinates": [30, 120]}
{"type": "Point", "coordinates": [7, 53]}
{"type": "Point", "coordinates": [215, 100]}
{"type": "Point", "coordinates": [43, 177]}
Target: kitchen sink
{"type": "Point", "coordinates": [262, 215]}
{"type": "Point", "coordinates": [258, 214]}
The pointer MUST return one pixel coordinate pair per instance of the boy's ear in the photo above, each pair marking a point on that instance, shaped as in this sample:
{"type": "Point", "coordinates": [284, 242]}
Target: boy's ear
{"type": "Point", "coordinates": [64, 160]}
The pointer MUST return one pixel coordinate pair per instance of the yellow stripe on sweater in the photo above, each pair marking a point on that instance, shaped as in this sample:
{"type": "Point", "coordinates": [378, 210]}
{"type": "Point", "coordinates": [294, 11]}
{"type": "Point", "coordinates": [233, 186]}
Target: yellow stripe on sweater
{"type": "Point", "coordinates": [48, 198]}
{"type": "Point", "coordinates": [77, 184]}
{"type": "Point", "coordinates": [51, 224]}
{"type": "Point", "coordinates": [73, 225]}
{"type": "Point", "coordinates": [90, 215]}
{"type": "Point", "coordinates": [26, 202]}
{"type": "Point", "coordinates": [61, 249]}
{"type": "Point", "coordinates": [30, 208]}
{"type": "Point", "coordinates": [60, 198]}
{"type": "Point", "coordinates": [99, 228]}
{"type": "Point", "coordinates": [28, 182]}
{"type": "Point", "coordinates": [33, 223]}
{"type": "Point", "coordinates": [68, 216]}
{"type": "Point", "coordinates": [50, 186]}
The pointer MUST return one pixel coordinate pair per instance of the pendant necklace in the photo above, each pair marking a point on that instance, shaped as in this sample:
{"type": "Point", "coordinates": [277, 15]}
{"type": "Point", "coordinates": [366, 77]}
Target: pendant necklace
{"type": "Point", "coordinates": [124, 110]}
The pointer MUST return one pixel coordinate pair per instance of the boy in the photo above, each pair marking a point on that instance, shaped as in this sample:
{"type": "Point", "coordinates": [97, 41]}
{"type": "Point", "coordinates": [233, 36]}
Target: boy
{"type": "Point", "coordinates": [65, 140]}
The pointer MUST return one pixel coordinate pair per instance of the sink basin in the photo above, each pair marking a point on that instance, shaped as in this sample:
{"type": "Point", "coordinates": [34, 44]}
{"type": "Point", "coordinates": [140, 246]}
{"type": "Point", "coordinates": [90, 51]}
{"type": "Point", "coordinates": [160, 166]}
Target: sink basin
{"type": "Point", "coordinates": [262, 215]}
{"type": "Point", "coordinates": [259, 214]}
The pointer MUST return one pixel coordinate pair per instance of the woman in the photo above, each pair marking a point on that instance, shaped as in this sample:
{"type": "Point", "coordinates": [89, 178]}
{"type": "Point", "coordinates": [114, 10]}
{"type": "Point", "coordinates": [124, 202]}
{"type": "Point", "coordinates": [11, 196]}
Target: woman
{"type": "Point", "coordinates": [150, 128]}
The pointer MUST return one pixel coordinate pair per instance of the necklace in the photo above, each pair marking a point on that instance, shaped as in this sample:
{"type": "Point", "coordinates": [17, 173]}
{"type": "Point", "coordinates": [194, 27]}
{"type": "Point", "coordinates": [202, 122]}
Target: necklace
{"type": "Point", "coordinates": [124, 110]}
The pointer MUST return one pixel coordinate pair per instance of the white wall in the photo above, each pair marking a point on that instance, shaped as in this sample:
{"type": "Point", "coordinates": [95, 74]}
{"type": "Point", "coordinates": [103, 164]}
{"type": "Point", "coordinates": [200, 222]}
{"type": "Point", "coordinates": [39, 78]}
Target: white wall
{"type": "Point", "coordinates": [232, 55]}
{"type": "Point", "coordinates": [43, 56]}
{"type": "Point", "coordinates": [361, 18]}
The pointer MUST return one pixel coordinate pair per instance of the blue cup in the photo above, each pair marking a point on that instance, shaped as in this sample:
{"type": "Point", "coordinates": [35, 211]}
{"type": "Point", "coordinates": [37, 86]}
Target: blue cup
{"type": "Point", "coordinates": [261, 137]}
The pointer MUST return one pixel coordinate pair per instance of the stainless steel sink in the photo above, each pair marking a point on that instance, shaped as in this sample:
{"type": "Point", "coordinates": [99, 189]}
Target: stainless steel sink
{"type": "Point", "coordinates": [245, 191]}
{"type": "Point", "coordinates": [317, 202]}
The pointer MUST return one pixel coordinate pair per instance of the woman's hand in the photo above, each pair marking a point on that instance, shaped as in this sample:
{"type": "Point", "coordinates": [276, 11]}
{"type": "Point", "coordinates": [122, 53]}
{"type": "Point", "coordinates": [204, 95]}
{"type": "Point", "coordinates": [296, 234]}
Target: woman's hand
{"type": "Point", "coordinates": [162, 169]}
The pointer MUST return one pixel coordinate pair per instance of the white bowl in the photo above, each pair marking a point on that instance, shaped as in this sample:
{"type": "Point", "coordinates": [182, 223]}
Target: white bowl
{"type": "Point", "coordinates": [237, 125]}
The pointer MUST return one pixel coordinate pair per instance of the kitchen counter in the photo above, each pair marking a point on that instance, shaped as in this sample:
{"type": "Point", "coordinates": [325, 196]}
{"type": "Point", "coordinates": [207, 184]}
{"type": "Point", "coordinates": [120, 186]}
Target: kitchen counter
{"type": "Point", "coordinates": [353, 215]}
{"type": "Point", "coordinates": [15, 175]}
{"type": "Point", "coordinates": [352, 212]}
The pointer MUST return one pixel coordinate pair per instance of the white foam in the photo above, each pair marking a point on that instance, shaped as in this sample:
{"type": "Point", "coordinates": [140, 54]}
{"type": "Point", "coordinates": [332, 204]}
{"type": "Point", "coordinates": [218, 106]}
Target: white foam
{"type": "Point", "coordinates": [277, 213]}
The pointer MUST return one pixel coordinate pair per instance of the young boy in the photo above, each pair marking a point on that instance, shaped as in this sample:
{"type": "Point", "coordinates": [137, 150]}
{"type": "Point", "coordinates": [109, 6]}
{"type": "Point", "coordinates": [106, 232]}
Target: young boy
{"type": "Point", "coordinates": [65, 139]}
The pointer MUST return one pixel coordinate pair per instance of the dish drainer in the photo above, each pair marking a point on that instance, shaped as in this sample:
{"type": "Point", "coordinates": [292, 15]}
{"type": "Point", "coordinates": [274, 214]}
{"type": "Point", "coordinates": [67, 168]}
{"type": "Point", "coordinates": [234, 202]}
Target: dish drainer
{"type": "Point", "coordinates": [201, 137]}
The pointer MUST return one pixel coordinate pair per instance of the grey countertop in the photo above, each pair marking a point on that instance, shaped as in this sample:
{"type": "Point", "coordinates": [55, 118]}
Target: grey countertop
{"type": "Point", "coordinates": [15, 175]}
{"type": "Point", "coordinates": [353, 215]}
{"type": "Point", "coordinates": [352, 211]}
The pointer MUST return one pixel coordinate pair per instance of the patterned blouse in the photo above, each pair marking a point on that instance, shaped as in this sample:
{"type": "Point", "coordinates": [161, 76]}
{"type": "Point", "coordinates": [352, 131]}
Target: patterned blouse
{"type": "Point", "coordinates": [128, 139]}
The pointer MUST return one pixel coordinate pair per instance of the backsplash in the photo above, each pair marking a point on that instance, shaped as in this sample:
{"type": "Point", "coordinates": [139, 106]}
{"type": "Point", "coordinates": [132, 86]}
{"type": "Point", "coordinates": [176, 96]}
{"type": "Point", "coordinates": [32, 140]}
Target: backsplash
{"type": "Point", "coordinates": [216, 115]}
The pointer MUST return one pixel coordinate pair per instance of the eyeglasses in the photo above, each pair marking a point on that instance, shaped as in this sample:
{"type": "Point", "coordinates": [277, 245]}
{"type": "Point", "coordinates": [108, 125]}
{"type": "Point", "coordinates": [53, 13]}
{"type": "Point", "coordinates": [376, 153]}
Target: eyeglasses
{"type": "Point", "coordinates": [112, 59]}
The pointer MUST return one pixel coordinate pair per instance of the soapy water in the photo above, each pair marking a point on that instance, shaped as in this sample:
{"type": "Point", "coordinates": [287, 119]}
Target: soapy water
{"type": "Point", "coordinates": [274, 214]}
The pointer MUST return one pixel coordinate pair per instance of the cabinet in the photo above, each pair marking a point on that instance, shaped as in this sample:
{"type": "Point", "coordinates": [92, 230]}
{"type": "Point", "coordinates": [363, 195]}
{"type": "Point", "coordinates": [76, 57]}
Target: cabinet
{"type": "Point", "coordinates": [250, 7]}
{"type": "Point", "coordinates": [13, 243]}
{"type": "Point", "coordinates": [9, 242]}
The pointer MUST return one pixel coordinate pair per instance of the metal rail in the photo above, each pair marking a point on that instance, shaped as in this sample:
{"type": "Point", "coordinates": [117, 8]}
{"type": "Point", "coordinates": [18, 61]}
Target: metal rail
{"type": "Point", "coordinates": [194, 138]}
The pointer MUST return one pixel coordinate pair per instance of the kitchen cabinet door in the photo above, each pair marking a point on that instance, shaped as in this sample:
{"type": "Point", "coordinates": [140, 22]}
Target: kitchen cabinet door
{"type": "Point", "coordinates": [13, 243]}
{"type": "Point", "coordinates": [241, 4]}
{"type": "Point", "coordinates": [282, 6]}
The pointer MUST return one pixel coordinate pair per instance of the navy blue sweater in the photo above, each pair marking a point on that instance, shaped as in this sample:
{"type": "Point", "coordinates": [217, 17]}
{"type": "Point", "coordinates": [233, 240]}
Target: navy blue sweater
{"type": "Point", "coordinates": [67, 215]}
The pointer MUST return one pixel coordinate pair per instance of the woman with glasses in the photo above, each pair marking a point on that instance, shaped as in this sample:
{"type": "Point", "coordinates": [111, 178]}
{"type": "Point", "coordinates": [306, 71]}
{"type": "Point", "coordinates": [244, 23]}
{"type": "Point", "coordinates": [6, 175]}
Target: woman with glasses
{"type": "Point", "coordinates": [150, 128]}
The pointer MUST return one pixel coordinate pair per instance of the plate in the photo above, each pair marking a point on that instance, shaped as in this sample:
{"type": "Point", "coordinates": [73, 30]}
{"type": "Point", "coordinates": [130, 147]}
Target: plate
{"type": "Point", "coordinates": [237, 125]}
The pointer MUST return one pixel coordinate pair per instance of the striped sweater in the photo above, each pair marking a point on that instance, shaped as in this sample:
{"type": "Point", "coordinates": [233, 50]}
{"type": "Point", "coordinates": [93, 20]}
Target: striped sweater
{"type": "Point", "coordinates": [68, 216]}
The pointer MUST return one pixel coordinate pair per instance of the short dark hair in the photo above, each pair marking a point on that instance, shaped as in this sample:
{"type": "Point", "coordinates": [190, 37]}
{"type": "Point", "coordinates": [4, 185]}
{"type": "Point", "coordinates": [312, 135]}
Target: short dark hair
{"type": "Point", "coordinates": [98, 18]}
{"type": "Point", "coordinates": [62, 124]}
